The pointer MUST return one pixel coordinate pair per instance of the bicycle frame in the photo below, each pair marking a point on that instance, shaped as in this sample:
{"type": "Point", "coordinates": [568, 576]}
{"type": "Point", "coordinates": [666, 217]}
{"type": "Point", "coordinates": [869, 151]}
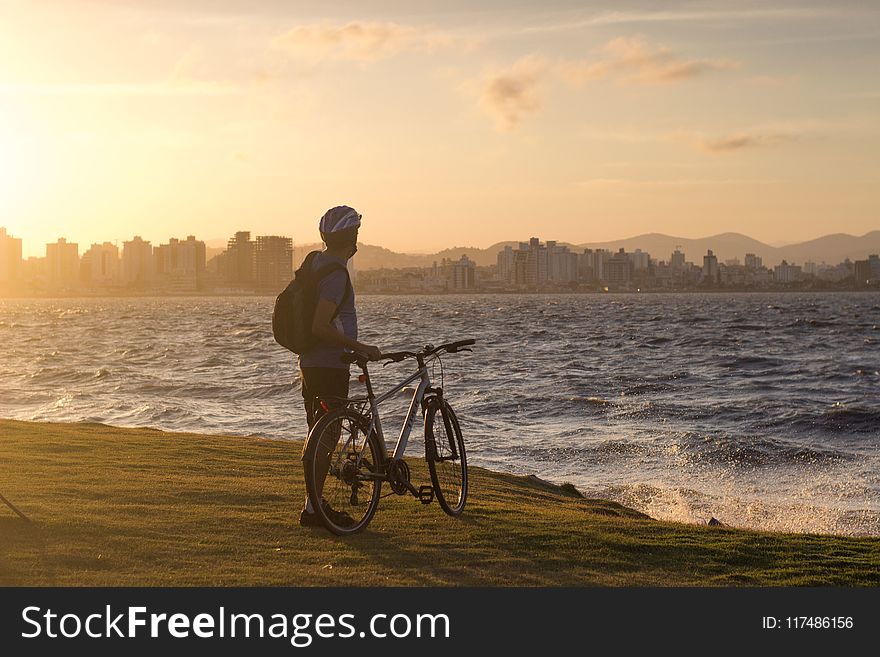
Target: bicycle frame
{"type": "Point", "coordinates": [376, 424]}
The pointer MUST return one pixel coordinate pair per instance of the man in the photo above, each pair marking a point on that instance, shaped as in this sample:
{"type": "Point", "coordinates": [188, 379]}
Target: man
{"type": "Point", "coordinates": [324, 375]}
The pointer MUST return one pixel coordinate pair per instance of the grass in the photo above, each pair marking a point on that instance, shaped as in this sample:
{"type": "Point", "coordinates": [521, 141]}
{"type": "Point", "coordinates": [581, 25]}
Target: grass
{"type": "Point", "coordinates": [115, 506]}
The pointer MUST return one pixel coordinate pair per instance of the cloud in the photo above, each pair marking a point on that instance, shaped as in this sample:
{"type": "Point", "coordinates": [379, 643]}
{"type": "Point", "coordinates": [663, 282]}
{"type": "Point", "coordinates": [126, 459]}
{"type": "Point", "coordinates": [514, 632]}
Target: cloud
{"type": "Point", "coordinates": [726, 16]}
{"type": "Point", "coordinates": [613, 183]}
{"type": "Point", "coordinates": [508, 95]}
{"type": "Point", "coordinates": [632, 59]}
{"type": "Point", "coordinates": [170, 89]}
{"type": "Point", "coordinates": [737, 142]}
{"type": "Point", "coordinates": [359, 41]}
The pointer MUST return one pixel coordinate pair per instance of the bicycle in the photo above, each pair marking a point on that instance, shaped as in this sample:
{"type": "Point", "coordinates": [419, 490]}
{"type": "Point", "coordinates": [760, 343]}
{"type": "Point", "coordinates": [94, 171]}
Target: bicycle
{"type": "Point", "coordinates": [344, 477]}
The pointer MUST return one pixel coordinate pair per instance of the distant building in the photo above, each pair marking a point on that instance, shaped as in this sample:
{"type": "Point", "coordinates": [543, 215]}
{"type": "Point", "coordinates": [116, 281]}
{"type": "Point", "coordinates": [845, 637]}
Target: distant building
{"type": "Point", "coordinates": [62, 264]}
{"type": "Point", "coordinates": [676, 260]}
{"type": "Point", "coordinates": [538, 262]}
{"type": "Point", "coordinates": [459, 274]}
{"type": "Point", "coordinates": [273, 257]}
{"type": "Point", "coordinates": [10, 258]}
{"type": "Point", "coordinates": [521, 270]}
{"type": "Point", "coordinates": [180, 265]}
{"type": "Point", "coordinates": [753, 261]}
{"type": "Point", "coordinates": [640, 260]}
{"type": "Point", "coordinates": [874, 265]}
{"type": "Point", "coordinates": [100, 265]}
{"type": "Point", "coordinates": [710, 269]}
{"type": "Point", "coordinates": [562, 264]}
{"type": "Point", "coordinates": [137, 262]}
{"type": "Point", "coordinates": [619, 269]}
{"type": "Point", "coordinates": [862, 274]}
{"type": "Point", "coordinates": [533, 264]}
{"type": "Point", "coordinates": [785, 273]}
{"type": "Point", "coordinates": [592, 265]}
{"type": "Point", "coordinates": [505, 269]}
{"type": "Point", "coordinates": [238, 264]}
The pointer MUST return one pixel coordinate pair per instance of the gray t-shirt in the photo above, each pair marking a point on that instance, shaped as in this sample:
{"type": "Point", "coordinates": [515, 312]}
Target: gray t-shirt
{"type": "Point", "coordinates": [332, 288]}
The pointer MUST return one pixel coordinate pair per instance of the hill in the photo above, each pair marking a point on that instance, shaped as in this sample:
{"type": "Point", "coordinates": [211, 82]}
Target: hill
{"type": "Point", "coordinates": [123, 507]}
{"type": "Point", "coordinates": [830, 248]}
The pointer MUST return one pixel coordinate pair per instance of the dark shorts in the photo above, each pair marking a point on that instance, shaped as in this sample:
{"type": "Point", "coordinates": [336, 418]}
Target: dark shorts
{"type": "Point", "coordinates": [322, 383]}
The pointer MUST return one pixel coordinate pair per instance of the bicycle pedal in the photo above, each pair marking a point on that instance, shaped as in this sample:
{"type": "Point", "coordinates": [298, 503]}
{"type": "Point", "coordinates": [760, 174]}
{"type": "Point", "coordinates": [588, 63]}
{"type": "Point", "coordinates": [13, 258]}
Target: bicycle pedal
{"type": "Point", "coordinates": [426, 494]}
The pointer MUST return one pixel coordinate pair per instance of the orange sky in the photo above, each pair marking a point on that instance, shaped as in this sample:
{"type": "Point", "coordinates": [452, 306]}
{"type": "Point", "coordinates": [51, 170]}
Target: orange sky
{"type": "Point", "coordinates": [454, 123]}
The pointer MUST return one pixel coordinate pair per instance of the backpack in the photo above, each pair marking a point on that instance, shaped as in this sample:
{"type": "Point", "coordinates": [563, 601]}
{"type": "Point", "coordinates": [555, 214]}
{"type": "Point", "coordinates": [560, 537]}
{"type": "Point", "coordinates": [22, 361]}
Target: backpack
{"type": "Point", "coordinates": [294, 309]}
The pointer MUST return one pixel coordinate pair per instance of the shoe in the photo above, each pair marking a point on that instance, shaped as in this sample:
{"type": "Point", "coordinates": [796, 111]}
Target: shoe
{"type": "Point", "coordinates": [338, 518]}
{"type": "Point", "coordinates": [307, 519]}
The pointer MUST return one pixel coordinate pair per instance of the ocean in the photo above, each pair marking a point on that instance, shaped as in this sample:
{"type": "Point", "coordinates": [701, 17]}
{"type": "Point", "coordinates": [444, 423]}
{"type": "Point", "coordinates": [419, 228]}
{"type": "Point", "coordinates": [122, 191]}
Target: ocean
{"type": "Point", "coordinates": [761, 410]}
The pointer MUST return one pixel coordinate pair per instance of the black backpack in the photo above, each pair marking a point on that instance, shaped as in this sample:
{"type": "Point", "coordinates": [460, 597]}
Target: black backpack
{"type": "Point", "coordinates": [295, 306]}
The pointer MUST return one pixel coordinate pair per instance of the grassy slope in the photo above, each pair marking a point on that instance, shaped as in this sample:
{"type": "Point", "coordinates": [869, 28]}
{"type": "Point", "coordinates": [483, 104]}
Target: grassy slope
{"type": "Point", "coordinates": [142, 507]}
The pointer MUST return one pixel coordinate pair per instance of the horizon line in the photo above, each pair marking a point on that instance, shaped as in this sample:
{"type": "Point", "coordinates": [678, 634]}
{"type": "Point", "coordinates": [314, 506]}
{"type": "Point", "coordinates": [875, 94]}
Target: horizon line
{"type": "Point", "coordinates": [483, 248]}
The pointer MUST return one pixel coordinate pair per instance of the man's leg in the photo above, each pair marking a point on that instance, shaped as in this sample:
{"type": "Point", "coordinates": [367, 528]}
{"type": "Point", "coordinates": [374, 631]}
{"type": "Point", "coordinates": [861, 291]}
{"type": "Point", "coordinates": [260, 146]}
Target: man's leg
{"type": "Point", "coordinates": [328, 385]}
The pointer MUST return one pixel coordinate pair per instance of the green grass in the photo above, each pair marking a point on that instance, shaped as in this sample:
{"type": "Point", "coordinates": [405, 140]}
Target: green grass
{"type": "Point", "coordinates": [117, 506]}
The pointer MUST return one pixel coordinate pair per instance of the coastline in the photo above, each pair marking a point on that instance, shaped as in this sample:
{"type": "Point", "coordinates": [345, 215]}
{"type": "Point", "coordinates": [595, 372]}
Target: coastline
{"type": "Point", "coordinates": [468, 293]}
{"type": "Point", "coordinates": [142, 507]}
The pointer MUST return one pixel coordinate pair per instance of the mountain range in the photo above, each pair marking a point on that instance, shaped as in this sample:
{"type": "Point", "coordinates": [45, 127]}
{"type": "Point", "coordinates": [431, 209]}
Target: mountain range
{"type": "Point", "coordinates": [830, 248]}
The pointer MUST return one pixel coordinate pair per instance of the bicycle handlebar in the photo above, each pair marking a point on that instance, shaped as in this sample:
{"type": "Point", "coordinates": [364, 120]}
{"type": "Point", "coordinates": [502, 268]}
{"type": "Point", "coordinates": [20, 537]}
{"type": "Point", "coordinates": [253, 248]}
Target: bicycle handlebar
{"type": "Point", "coordinates": [397, 356]}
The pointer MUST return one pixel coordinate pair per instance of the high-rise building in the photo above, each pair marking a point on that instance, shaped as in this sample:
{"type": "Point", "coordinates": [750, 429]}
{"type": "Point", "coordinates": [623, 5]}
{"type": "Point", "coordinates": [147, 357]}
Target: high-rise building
{"type": "Point", "coordinates": [505, 270]}
{"type": "Point", "coordinates": [100, 265]}
{"type": "Point", "coordinates": [862, 274]}
{"type": "Point", "coordinates": [710, 269]}
{"type": "Point", "coordinates": [62, 264]}
{"type": "Point", "coordinates": [562, 264]}
{"type": "Point", "coordinates": [138, 265]}
{"type": "Point", "coordinates": [874, 266]}
{"type": "Point", "coordinates": [592, 265]}
{"type": "Point", "coordinates": [676, 260]}
{"type": "Point", "coordinates": [238, 264]}
{"type": "Point", "coordinates": [180, 264]}
{"type": "Point", "coordinates": [786, 273]}
{"type": "Point", "coordinates": [459, 274]}
{"type": "Point", "coordinates": [273, 261]}
{"type": "Point", "coordinates": [619, 268]}
{"type": "Point", "coordinates": [520, 275]}
{"type": "Point", "coordinates": [536, 268]}
{"type": "Point", "coordinates": [753, 261]}
{"type": "Point", "coordinates": [10, 258]}
{"type": "Point", "coordinates": [640, 260]}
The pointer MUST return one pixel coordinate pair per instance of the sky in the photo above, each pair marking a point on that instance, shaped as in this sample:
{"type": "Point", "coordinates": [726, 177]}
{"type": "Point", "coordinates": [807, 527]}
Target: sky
{"type": "Point", "coordinates": [454, 123]}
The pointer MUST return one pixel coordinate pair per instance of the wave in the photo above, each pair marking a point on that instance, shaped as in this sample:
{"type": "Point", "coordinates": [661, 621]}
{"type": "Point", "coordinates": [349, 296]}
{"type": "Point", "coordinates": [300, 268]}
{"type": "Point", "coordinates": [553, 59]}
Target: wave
{"type": "Point", "coordinates": [686, 390]}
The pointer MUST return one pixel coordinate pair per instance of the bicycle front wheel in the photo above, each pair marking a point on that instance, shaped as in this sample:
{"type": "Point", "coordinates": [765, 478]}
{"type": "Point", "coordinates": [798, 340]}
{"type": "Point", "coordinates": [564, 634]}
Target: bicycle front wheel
{"type": "Point", "coordinates": [343, 471]}
{"type": "Point", "coordinates": [444, 452]}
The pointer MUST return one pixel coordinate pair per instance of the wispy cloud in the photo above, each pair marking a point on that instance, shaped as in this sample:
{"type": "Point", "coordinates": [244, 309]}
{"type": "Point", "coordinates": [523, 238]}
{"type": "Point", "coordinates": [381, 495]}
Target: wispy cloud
{"type": "Point", "coordinates": [359, 41]}
{"type": "Point", "coordinates": [189, 88]}
{"type": "Point", "coordinates": [680, 16]}
{"type": "Point", "coordinates": [633, 59]}
{"type": "Point", "coordinates": [617, 183]}
{"type": "Point", "coordinates": [509, 95]}
{"type": "Point", "coordinates": [744, 140]}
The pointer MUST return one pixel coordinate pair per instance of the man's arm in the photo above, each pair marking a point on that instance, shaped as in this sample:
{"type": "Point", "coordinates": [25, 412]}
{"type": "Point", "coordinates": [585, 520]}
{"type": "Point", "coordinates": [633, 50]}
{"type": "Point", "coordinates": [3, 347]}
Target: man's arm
{"type": "Point", "coordinates": [323, 328]}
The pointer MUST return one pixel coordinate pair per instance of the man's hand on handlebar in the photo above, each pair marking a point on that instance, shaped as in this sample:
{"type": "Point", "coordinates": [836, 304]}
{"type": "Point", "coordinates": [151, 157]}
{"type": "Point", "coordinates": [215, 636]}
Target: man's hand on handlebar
{"type": "Point", "coordinates": [371, 352]}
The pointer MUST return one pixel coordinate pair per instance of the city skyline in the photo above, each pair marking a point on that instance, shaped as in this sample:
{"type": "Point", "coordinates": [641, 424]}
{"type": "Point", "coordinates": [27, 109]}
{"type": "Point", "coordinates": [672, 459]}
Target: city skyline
{"type": "Point", "coordinates": [588, 119]}
{"type": "Point", "coordinates": [266, 264]}
{"type": "Point", "coordinates": [30, 249]}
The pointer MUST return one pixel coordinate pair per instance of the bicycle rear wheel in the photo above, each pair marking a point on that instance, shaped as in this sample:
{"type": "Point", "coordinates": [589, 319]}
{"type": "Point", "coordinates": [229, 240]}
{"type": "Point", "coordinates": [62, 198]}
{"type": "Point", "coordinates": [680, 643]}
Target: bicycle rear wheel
{"type": "Point", "coordinates": [343, 471]}
{"type": "Point", "coordinates": [445, 454]}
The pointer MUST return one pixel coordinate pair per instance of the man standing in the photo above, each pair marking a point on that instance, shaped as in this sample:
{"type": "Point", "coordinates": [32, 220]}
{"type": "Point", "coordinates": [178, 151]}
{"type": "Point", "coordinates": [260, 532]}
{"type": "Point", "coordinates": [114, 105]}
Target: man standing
{"type": "Point", "coordinates": [324, 374]}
